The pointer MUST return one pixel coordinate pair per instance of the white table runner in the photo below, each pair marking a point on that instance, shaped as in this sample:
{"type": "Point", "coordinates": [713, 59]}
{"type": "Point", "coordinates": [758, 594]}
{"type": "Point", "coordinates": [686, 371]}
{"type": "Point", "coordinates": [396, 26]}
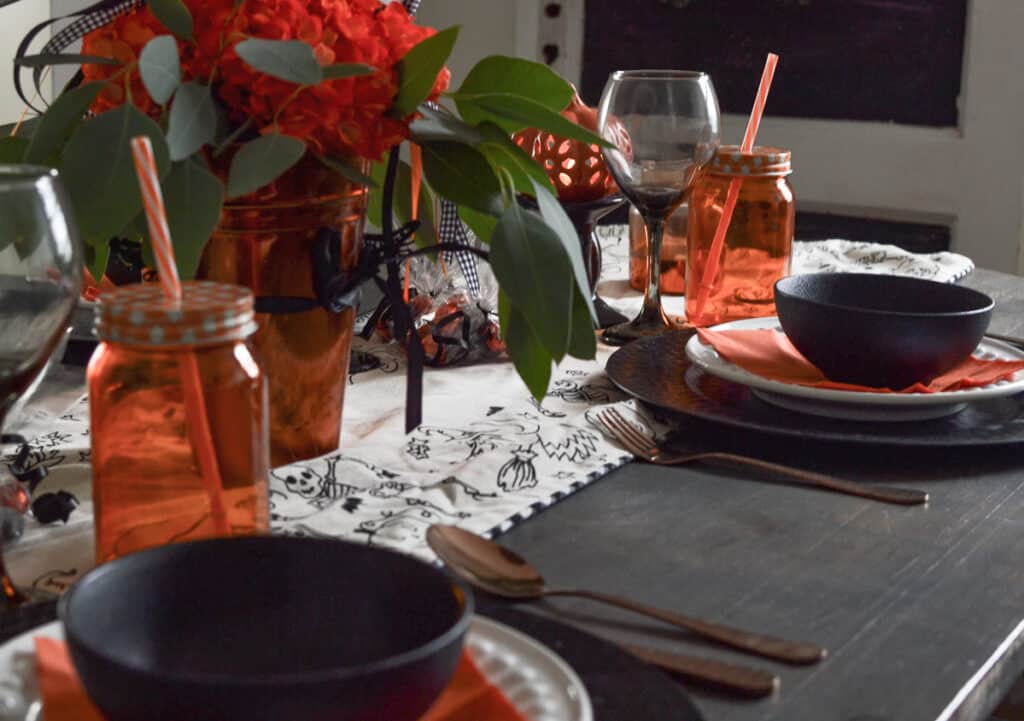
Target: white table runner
{"type": "Point", "coordinates": [486, 458]}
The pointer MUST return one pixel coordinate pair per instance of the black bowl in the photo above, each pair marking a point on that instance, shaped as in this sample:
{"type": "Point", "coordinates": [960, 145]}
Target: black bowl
{"type": "Point", "coordinates": [261, 629]}
{"type": "Point", "coordinates": [884, 331]}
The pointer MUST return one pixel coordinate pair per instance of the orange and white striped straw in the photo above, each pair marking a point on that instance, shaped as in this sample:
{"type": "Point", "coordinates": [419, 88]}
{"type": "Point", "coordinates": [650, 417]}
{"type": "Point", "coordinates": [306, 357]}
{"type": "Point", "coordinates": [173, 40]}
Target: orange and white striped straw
{"type": "Point", "coordinates": [191, 381]}
{"type": "Point", "coordinates": [156, 216]}
{"type": "Point", "coordinates": [714, 258]}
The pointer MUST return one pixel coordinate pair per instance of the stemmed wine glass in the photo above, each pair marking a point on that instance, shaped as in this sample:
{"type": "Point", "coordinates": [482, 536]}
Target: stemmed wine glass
{"type": "Point", "coordinates": [665, 126]}
{"type": "Point", "coordinates": [40, 281]}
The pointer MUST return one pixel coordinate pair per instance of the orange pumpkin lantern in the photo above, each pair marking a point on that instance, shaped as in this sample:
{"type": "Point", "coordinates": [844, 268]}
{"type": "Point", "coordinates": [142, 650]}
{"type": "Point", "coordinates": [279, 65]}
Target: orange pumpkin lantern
{"type": "Point", "coordinates": [576, 169]}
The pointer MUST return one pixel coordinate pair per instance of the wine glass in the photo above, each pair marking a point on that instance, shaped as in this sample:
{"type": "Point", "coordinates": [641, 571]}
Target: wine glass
{"type": "Point", "coordinates": [40, 281]}
{"type": "Point", "coordinates": [665, 126]}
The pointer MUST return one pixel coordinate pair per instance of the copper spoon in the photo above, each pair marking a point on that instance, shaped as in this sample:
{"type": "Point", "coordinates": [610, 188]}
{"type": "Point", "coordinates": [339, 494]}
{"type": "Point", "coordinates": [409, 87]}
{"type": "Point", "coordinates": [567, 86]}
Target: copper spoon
{"type": "Point", "coordinates": [497, 570]}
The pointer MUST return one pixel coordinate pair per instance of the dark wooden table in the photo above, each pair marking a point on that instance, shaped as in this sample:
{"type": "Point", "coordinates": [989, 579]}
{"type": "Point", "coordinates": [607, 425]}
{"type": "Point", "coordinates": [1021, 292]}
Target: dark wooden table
{"type": "Point", "coordinates": [921, 609]}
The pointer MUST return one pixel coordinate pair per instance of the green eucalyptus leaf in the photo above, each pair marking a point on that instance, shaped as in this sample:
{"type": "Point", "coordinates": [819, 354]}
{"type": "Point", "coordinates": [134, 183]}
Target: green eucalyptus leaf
{"type": "Point", "coordinates": [554, 215]}
{"type": "Point", "coordinates": [347, 70]}
{"type": "Point", "coordinates": [96, 257]}
{"type": "Point", "coordinates": [531, 360]}
{"type": "Point", "coordinates": [441, 125]}
{"type": "Point", "coordinates": [504, 153]}
{"type": "Point", "coordinates": [160, 68]}
{"type": "Point", "coordinates": [481, 224]}
{"type": "Point", "coordinates": [45, 59]}
{"type": "Point", "coordinates": [262, 161]}
{"type": "Point", "coordinates": [193, 197]}
{"type": "Point", "coordinates": [582, 339]}
{"type": "Point", "coordinates": [374, 209]}
{"type": "Point", "coordinates": [99, 173]}
{"type": "Point", "coordinates": [193, 120]}
{"type": "Point", "coordinates": [58, 122]}
{"type": "Point", "coordinates": [532, 267]}
{"type": "Point", "coordinates": [402, 206]}
{"type": "Point", "coordinates": [463, 175]}
{"type": "Point", "coordinates": [418, 70]}
{"type": "Point", "coordinates": [13, 149]}
{"type": "Point", "coordinates": [291, 60]}
{"type": "Point", "coordinates": [25, 128]}
{"type": "Point", "coordinates": [344, 169]}
{"type": "Point", "coordinates": [514, 112]}
{"type": "Point", "coordinates": [515, 76]}
{"type": "Point", "coordinates": [174, 16]}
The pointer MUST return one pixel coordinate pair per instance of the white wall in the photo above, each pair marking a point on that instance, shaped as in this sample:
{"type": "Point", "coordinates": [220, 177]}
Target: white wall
{"type": "Point", "coordinates": [15, 21]}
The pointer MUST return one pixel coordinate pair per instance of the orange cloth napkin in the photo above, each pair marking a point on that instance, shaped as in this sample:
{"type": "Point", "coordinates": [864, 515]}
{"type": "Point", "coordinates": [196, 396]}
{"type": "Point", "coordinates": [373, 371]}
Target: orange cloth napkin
{"type": "Point", "coordinates": [769, 354]}
{"type": "Point", "coordinates": [469, 696]}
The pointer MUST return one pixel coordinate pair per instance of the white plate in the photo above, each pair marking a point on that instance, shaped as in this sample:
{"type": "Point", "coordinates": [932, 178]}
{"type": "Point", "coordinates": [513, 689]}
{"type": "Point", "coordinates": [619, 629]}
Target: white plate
{"type": "Point", "coordinates": [532, 677]}
{"type": "Point", "coordinates": [854, 405]}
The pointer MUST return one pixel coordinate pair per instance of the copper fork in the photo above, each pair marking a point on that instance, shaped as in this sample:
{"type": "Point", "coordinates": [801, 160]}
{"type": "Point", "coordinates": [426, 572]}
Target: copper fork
{"type": "Point", "coordinates": [638, 444]}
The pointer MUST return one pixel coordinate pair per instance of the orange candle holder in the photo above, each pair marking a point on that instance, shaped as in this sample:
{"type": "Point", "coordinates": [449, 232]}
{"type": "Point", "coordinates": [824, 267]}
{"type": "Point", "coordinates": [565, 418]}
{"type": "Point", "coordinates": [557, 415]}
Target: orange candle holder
{"type": "Point", "coordinates": [147, 485]}
{"type": "Point", "coordinates": [759, 243]}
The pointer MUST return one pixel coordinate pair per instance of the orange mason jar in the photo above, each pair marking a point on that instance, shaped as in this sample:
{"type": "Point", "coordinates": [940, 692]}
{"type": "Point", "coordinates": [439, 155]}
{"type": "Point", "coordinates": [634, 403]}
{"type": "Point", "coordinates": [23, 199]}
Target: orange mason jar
{"type": "Point", "coordinates": [164, 375]}
{"type": "Point", "coordinates": [759, 243]}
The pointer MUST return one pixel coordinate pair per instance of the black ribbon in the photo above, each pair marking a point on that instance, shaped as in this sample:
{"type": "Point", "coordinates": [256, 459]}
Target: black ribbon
{"type": "Point", "coordinates": [104, 6]}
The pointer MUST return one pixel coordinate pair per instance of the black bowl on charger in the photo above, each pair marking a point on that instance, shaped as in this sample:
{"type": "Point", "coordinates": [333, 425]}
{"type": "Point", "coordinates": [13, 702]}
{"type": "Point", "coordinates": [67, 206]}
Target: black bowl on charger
{"type": "Point", "coordinates": [265, 629]}
{"type": "Point", "coordinates": [884, 331]}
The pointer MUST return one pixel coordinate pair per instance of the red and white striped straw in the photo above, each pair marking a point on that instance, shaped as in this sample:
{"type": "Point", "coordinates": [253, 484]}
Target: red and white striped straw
{"type": "Point", "coordinates": [762, 97]}
{"type": "Point", "coordinates": [733, 194]}
{"type": "Point", "coordinates": [156, 216]}
{"type": "Point", "coordinates": [192, 384]}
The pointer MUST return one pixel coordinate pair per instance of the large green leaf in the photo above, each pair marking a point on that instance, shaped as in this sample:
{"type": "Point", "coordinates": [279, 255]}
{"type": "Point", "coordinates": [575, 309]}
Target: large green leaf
{"type": "Point", "coordinates": [345, 170]}
{"type": "Point", "coordinates": [582, 339]}
{"type": "Point", "coordinates": [193, 121]}
{"type": "Point", "coordinates": [401, 202]}
{"type": "Point", "coordinates": [99, 173]}
{"type": "Point", "coordinates": [481, 224]}
{"type": "Point", "coordinates": [291, 60]}
{"type": "Point", "coordinates": [56, 125]}
{"type": "Point", "coordinates": [503, 153]}
{"type": "Point", "coordinates": [463, 175]}
{"type": "Point", "coordinates": [25, 128]}
{"type": "Point", "coordinates": [347, 70]}
{"type": "Point", "coordinates": [96, 256]}
{"type": "Point", "coordinates": [533, 269]}
{"type": "Point", "coordinates": [514, 112]}
{"type": "Point", "coordinates": [160, 68]}
{"type": "Point", "coordinates": [418, 70]}
{"type": "Point", "coordinates": [174, 16]}
{"type": "Point", "coordinates": [193, 197]}
{"type": "Point", "coordinates": [531, 360]}
{"type": "Point", "coordinates": [515, 76]}
{"type": "Point", "coordinates": [441, 125]}
{"type": "Point", "coordinates": [262, 161]}
{"type": "Point", "coordinates": [554, 215]}
{"type": "Point", "coordinates": [13, 149]}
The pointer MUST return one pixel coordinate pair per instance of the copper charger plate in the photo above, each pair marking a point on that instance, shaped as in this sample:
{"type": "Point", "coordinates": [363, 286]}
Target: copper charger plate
{"type": "Point", "coordinates": [657, 371]}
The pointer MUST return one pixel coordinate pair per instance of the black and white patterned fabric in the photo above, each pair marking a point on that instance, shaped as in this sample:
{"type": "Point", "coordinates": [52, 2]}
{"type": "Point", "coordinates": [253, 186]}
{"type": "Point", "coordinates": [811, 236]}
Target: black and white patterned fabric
{"type": "Point", "coordinates": [487, 457]}
{"type": "Point", "coordinates": [453, 230]}
{"type": "Point", "coordinates": [86, 24]}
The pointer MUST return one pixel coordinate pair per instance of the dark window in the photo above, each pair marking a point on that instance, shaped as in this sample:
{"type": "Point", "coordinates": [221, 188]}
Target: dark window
{"type": "Point", "coordinates": [881, 60]}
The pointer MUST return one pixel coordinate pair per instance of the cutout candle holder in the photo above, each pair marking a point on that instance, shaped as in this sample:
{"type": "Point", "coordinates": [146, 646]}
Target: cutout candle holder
{"type": "Point", "coordinates": [584, 186]}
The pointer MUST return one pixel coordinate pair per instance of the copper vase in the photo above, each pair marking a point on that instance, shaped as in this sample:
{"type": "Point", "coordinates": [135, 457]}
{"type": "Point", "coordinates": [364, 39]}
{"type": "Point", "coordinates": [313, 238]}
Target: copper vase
{"type": "Point", "coordinates": [264, 241]}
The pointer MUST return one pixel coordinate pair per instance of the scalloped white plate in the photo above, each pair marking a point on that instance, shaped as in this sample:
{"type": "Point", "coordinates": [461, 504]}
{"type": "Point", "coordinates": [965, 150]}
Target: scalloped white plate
{"type": "Point", "coordinates": [533, 678]}
{"type": "Point", "coordinates": [853, 405]}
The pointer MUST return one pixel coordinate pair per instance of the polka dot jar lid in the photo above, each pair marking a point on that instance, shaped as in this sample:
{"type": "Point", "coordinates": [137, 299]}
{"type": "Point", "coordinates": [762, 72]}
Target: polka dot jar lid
{"type": "Point", "coordinates": [761, 161]}
{"type": "Point", "coordinates": [209, 313]}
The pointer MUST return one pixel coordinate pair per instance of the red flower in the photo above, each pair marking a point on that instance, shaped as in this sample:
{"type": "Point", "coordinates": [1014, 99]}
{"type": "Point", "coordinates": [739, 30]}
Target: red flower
{"type": "Point", "coordinates": [339, 117]}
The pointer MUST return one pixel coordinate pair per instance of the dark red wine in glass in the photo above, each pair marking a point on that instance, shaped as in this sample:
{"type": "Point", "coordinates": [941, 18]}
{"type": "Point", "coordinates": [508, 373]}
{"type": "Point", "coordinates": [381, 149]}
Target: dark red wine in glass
{"type": "Point", "coordinates": [40, 281]}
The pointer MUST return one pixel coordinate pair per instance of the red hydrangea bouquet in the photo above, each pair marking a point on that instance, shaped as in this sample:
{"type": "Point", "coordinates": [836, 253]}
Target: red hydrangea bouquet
{"type": "Point", "coordinates": [235, 93]}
